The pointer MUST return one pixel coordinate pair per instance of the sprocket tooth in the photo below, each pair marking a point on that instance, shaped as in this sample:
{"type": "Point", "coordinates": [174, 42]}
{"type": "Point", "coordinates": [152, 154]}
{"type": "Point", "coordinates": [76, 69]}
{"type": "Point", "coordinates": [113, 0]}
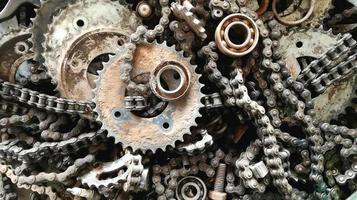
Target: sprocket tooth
{"type": "Point", "coordinates": [102, 84]}
{"type": "Point", "coordinates": [101, 28]}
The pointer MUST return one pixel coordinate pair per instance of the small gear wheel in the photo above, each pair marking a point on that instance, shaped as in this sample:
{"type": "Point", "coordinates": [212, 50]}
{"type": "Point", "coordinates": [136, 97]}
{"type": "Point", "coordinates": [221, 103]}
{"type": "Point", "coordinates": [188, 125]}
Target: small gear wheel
{"type": "Point", "coordinates": [171, 72]}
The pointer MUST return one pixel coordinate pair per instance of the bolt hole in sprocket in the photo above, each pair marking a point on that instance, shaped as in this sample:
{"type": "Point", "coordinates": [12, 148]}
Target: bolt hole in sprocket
{"type": "Point", "coordinates": [186, 100]}
{"type": "Point", "coordinates": [174, 102]}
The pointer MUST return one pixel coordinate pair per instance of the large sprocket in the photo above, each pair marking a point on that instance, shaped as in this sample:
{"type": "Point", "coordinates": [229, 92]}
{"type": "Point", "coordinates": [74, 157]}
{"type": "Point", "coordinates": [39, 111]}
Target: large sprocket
{"type": "Point", "coordinates": [132, 129]}
{"type": "Point", "coordinates": [44, 16]}
{"type": "Point", "coordinates": [92, 28]}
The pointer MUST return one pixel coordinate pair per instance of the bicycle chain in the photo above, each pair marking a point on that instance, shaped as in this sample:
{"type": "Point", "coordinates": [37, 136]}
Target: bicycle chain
{"type": "Point", "coordinates": [324, 71]}
{"type": "Point", "coordinates": [11, 91]}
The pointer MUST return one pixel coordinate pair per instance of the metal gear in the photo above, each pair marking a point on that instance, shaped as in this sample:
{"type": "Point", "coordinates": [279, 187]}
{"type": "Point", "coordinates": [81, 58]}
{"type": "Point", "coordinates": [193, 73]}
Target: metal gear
{"type": "Point", "coordinates": [92, 28]}
{"type": "Point", "coordinates": [184, 13]}
{"type": "Point", "coordinates": [155, 132]}
{"type": "Point", "coordinates": [14, 51]}
{"type": "Point", "coordinates": [302, 45]}
{"type": "Point", "coordinates": [277, 121]}
{"type": "Point", "coordinates": [44, 15]}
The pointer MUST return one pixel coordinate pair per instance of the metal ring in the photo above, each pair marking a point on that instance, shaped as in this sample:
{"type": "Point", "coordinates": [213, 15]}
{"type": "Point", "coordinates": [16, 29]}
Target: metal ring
{"type": "Point", "coordinates": [292, 23]}
{"type": "Point", "coordinates": [171, 93]}
{"type": "Point", "coordinates": [263, 7]}
{"type": "Point", "coordinates": [223, 41]}
{"type": "Point", "coordinates": [229, 41]}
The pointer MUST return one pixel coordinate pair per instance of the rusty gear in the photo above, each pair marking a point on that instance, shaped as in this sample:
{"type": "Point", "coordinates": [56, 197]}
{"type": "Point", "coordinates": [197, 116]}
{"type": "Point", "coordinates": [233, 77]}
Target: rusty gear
{"type": "Point", "coordinates": [40, 23]}
{"type": "Point", "coordinates": [244, 105]}
{"type": "Point", "coordinates": [14, 51]}
{"type": "Point", "coordinates": [93, 28]}
{"type": "Point", "coordinates": [137, 132]}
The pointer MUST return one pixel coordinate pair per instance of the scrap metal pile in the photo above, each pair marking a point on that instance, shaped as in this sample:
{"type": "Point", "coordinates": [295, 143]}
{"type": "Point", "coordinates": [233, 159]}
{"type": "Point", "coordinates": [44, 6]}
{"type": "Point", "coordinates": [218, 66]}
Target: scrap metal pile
{"type": "Point", "coordinates": [185, 99]}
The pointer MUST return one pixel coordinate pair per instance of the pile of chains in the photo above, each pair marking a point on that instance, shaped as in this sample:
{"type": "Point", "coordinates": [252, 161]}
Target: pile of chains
{"type": "Point", "coordinates": [178, 99]}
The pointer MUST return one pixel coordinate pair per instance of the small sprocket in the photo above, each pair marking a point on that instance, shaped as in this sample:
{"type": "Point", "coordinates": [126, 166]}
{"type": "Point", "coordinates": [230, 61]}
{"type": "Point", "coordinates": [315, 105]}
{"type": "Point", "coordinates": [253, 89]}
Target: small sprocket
{"type": "Point", "coordinates": [171, 122]}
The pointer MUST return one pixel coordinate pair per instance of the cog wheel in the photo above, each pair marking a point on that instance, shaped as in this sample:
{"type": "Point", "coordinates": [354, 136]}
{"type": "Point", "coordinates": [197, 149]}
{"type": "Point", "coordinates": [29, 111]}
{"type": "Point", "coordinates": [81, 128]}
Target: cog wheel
{"type": "Point", "coordinates": [93, 28]}
{"type": "Point", "coordinates": [14, 50]}
{"type": "Point", "coordinates": [44, 16]}
{"type": "Point", "coordinates": [172, 121]}
{"type": "Point", "coordinates": [195, 24]}
{"type": "Point", "coordinates": [300, 45]}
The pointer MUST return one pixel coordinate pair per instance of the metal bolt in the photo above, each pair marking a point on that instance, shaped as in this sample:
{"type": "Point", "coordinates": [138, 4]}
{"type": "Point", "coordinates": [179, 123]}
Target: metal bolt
{"type": "Point", "coordinates": [217, 193]}
{"type": "Point", "coordinates": [144, 9]}
{"type": "Point", "coordinates": [220, 178]}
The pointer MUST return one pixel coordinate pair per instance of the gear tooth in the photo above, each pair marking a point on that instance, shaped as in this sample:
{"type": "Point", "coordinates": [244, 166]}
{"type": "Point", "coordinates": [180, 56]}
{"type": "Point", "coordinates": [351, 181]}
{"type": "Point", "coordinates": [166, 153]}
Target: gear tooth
{"type": "Point", "coordinates": [194, 115]}
{"type": "Point", "coordinates": [51, 44]}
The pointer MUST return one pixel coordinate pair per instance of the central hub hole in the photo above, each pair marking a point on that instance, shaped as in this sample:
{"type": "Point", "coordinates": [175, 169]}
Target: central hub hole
{"type": "Point", "coordinates": [95, 66]}
{"type": "Point", "coordinates": [191, 191]}
{"type": "Point", "coordinates": [155, 105]}
{"type": "Point", "coordinates": [238, 33]}
{"type": "Point", "coordinates": [170, 79]}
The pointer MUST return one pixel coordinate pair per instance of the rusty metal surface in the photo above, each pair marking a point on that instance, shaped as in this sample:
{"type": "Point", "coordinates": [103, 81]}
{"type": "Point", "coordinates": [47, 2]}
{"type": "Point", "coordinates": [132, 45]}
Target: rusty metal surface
{"type": "Point", "coordinates": [335, 99]}
{"type": "Point", "coordinates": [92, 28]}
{"type": "Point", "coordinates": [146, 133]}
{"type": "Point", "coordinates": [9, 59]}
{"type": "Point", "coordinates": [314, 42]}
{"type": "Point", "coordinates": [74, 80]}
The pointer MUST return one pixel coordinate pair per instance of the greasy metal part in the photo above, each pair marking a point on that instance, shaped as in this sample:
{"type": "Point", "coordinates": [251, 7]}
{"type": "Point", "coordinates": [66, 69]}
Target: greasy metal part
{"type": "Point", "coordinates": [240, 27]}
{"type": "Point", "coordinates": [15, 51]}
{"type": "Point", "coordinates": [300, 45]}
{"type": "Point", "coordinates": [278, 123]}
{"type": "Point", "coordinates": [89, 34]}
{"type": "Point", "coordinates": [12, 5]}
{"type": "Point", "coordinates": [33, 98]}
{"type": "Point", "coordinates": [335, 99]}
{"type": "Point", "coordinates": [128, 171]}
{"type": "Point", "coordinates": [170, 80]}
{"type": "Point", "coordinates": [198, 146]}
{"type": "Point", "coordinates": [44, 16]}
{"type": "Point", "coordinates": [182, 12]}
{"type": "Point", "coordinates": [263, 7]}
{"type": "Point", "coordinates": [88, 194]}
{"type": "Point", "coordinates": [217, 192]}
{"type": "Point", "coordinates": [141, 133]}
{"type": "Point", "coordinates": [78, 58]}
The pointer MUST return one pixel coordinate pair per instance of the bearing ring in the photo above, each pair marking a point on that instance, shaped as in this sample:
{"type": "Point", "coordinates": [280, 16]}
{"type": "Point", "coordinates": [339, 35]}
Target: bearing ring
{"type": "Point", "coordinates": [245, 38]}
{"type": "Point", "coordinates": [191, 188]}
{"type": "Point", "coordinates": [176, 86]}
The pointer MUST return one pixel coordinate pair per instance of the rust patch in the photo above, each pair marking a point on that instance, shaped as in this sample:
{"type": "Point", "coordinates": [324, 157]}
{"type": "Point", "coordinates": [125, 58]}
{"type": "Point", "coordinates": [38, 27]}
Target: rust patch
{"type": "Point", "coordinates": [73, 80]}
{"type": "Point", "coordinates": [9, 59]}
{"type": "Point", "coordinates": [135, 131]}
